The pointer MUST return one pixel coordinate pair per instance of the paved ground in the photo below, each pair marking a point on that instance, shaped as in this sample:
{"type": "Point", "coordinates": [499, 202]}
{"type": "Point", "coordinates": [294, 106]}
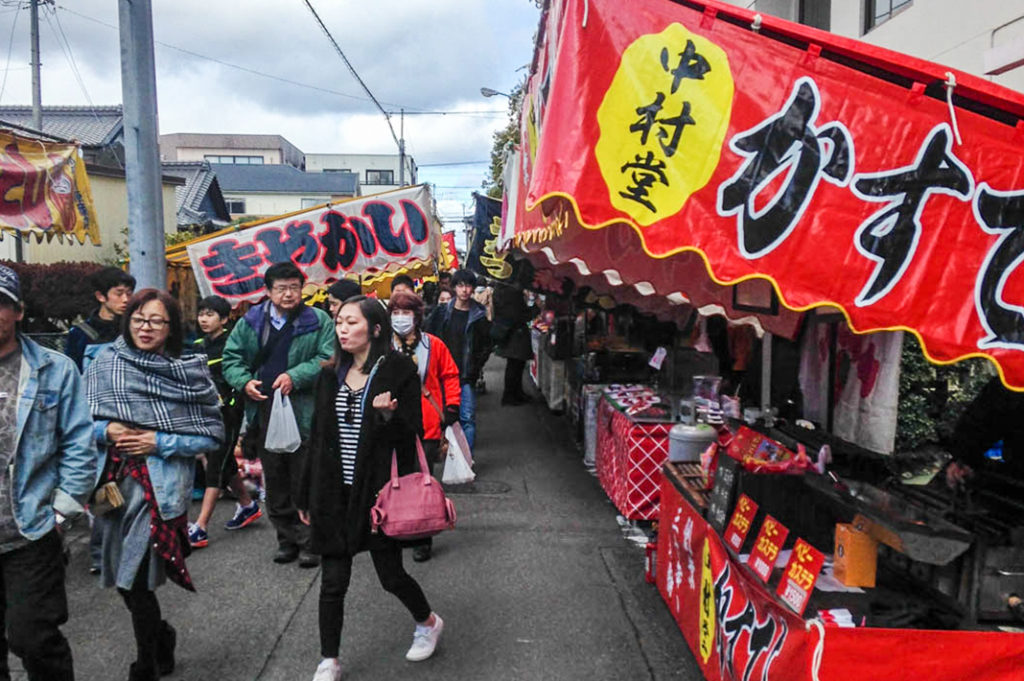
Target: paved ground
{"type": "Point", "coordinates": [537, 582]}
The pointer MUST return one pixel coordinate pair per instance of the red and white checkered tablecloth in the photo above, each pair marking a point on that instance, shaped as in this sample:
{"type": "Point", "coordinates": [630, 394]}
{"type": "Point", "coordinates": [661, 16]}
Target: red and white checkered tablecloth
{"type": "Point", "coordinates": [629, 458]}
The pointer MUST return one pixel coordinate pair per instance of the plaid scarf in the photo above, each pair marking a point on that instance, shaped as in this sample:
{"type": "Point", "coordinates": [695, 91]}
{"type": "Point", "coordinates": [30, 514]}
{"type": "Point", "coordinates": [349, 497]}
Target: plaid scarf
{"type": "Point", "coordinates": [154, 392]}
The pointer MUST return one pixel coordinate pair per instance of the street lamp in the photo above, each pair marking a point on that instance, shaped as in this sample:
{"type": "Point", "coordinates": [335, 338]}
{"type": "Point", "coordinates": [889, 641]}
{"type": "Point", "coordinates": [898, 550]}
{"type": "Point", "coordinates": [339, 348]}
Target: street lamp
{"type": "Point", "coordinates": [488, 92]}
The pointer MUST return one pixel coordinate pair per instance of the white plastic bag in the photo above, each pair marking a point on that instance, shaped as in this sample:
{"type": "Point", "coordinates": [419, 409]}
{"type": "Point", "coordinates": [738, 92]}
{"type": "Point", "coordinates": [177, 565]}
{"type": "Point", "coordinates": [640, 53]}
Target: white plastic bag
{"type": "Point", "coordinates": [458, 464]}
{"type": "Point", "coordinates": [282, 430]}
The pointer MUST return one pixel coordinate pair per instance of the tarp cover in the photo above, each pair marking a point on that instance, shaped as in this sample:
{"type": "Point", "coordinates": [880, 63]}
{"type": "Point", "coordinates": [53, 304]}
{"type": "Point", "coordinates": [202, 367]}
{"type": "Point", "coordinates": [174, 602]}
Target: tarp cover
{"type": "Point", "coordinates": [842, 186]}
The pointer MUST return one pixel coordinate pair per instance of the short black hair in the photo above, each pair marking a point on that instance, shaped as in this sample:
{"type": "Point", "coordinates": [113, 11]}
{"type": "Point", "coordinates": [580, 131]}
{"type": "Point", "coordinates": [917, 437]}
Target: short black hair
{"type": "Point", "coordinates": [110, 277]}
{"type": "Point", "coordinates": [215, 304]}
{"type": "Point", "coordinates": [463, 277]}
{"type": "Point", "coordinates": [343, 289]}
{"type": "Point", "coordinates": [403, 279]}
{"type": "Point", "coordinates": [176, 335]}
{"type": "Point", "coordinates": [280, 271]}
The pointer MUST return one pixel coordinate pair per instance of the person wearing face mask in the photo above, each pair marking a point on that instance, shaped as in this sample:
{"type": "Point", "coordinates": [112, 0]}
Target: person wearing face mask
{"type": "Point", "coordinates": [439, 381]}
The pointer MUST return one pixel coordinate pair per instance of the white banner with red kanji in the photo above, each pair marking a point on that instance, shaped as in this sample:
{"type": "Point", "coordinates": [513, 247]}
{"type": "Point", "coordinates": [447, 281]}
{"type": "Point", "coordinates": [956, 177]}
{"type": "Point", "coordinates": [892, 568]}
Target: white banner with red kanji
{"type": "Point", "coordinates": [380, 233]}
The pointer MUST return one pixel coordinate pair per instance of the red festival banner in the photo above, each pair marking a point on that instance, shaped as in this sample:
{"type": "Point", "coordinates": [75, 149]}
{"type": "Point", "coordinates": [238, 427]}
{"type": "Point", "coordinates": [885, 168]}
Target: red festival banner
{"type": "Point", "coordinates": [832, 168]}
{"type": "Point", "coordinates": [382, 233]}
{"type": "Point", "coordinates": [44, 189]}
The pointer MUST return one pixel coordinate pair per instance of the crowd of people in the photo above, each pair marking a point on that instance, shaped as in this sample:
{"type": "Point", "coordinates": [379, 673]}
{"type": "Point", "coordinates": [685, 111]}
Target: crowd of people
{"type": "Point", "coordinates": [113, 428]}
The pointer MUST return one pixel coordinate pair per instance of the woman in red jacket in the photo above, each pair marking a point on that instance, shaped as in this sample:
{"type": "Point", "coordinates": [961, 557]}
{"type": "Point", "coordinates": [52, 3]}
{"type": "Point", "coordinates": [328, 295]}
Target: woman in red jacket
{"type": "Point", "coordinates": [439, 379]}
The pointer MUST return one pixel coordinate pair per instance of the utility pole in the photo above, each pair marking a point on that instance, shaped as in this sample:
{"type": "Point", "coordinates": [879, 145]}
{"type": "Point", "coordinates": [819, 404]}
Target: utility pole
{"type": "Point", "coordinates": [37, 99]}
{"type": "Point", "coordinates": [37, 96]}
{"type": "Point", "coordinates": [142, 154]}
{"type": "Point", "coordinates": [401, 150]}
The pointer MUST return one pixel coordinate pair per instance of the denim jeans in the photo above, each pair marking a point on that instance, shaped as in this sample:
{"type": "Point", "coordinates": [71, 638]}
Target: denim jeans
{"type": "Point", "coordinates": [467, 413]}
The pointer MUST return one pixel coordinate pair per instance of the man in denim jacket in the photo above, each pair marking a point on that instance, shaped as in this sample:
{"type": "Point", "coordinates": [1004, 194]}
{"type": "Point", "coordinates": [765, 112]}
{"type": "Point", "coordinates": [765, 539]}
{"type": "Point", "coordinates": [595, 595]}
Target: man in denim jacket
{"type": "Point", "coordinates": [48, 465]}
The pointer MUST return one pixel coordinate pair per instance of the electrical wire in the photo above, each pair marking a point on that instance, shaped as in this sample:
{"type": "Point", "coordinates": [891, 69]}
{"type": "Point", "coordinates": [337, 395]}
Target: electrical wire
{"type": "Point", "coordinates": [10, 47]}
{"type": "Point", "coordinates": [453, 163]}
{"type": "Point", "coordinates": [228, 64]}
{"type": "Point", "coordinates": [352, 70]}
{"type": "Point", "coordinates": [409, 109]}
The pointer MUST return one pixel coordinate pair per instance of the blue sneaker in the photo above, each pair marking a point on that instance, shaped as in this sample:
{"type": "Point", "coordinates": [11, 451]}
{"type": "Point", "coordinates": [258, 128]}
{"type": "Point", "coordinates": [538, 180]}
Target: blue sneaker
{"type": "Point", "coordinates": [197, 537]}
{"type": "Point", "coordinates": [244, 516]}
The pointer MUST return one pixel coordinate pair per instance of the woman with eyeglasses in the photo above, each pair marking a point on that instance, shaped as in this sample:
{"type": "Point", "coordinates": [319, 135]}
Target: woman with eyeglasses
{"type": "Point", "coordinates": [154, 411]}
{"type": "Point", "coordinates": [367, 406]}
{"type": "Point", "coordinates": [439, 381]}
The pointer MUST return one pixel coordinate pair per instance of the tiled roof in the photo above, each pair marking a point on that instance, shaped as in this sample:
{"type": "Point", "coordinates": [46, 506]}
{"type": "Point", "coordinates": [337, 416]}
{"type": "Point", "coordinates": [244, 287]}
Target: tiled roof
{"type": "Point", "coordinates": [283, 179]}
{"type": "Point", "coordinates": [200, 181]}
{"type": "Point", "coordinates": [93, 126]}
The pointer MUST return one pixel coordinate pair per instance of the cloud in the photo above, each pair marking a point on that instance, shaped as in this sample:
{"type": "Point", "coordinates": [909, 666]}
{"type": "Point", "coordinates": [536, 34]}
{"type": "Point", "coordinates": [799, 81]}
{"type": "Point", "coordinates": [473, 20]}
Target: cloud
{"type": "Point", "coordinates": [421, 54]}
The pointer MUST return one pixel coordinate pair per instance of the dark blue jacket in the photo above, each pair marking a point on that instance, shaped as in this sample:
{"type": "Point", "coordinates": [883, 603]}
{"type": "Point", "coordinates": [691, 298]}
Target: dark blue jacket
{"type": "Point", "coordinates": [477, 344]}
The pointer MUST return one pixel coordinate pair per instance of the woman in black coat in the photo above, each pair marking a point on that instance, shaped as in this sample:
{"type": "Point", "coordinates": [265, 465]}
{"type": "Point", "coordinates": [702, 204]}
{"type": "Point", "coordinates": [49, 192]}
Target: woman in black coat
{"type": "Point", "coordinates": [367, 406]}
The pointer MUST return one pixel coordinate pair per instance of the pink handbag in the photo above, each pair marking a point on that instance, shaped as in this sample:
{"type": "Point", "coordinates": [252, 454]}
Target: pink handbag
{"type": "Point", "coordinates": [412, 506]}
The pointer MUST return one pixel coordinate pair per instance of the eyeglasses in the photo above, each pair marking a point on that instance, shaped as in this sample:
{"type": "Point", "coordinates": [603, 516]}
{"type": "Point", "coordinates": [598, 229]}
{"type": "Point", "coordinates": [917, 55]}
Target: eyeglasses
{"type": "Point", "coordinates": [293, 288]}
{"type": "Point", "coordinates": [155, 323]}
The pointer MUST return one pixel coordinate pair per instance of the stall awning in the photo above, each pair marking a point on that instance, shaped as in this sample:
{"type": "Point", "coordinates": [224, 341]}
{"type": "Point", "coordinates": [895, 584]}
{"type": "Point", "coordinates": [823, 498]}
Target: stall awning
{"type": "Point", "coordinates": [835, 170]}
{"type": "Point", "coordinates": [44, 189]}
{"type": "Point", "coordinates": [377, 236]}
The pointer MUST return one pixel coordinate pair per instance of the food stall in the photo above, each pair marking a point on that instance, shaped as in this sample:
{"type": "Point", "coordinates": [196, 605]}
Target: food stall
{"type": "Point", "coordinates": [687, 140]}
{"type": "Point", "coordinates": [375, 238]}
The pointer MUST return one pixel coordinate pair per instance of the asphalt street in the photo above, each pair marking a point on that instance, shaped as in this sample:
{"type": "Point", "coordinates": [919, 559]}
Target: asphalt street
{"type": "Point", "coordinates": [537, 581]}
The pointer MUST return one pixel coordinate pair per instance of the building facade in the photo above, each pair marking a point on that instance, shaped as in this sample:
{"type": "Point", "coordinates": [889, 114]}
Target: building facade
{"type": "Point", "coordinates": [266, 190]}
{"type": "Point", "coordinates": [377, 172]}
{"type": "Point", "coordinates": [230, 149]}
{"type": "Point", "coordinates": [984, 39]}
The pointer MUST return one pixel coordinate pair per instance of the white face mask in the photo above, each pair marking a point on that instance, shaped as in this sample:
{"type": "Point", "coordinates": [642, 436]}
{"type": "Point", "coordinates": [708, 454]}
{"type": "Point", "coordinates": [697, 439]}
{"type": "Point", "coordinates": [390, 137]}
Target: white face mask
{"type": "Point", "coordinates": [403, 324]}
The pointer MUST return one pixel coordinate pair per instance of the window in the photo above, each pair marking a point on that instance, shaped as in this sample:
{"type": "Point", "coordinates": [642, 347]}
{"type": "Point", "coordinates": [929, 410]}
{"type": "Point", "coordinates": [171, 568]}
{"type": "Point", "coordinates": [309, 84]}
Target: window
{"type": "Point", "coordinates": [235, 160]}
{"type": "Point", "coordinates": [380, 177]}
{"type": "Point", "coordinates": [309, 203]}
{"type": "Point", "coordinates": [235, 206]}
{"type": "Point", "coordinates": [879, 11]}
{"type": "Point", "coordinates": [337, 170]}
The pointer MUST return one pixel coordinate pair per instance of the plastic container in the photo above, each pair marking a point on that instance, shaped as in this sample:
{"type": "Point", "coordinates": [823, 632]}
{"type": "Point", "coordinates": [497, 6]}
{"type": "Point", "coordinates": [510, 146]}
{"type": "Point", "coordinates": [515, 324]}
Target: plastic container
{"type": "Point", "coordinates": [686, 443]}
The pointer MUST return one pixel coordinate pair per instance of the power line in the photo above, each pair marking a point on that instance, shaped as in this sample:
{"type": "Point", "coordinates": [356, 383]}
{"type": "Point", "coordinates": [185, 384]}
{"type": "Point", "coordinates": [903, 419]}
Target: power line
{"type": "Point", "coordinates": [453, 163]}
{"type": "Point", "coordinates": [228, 64]}
{"type": "Point", "coordinates": [352, 70]}
{"type": "Point", "coordinates": [10, 46]}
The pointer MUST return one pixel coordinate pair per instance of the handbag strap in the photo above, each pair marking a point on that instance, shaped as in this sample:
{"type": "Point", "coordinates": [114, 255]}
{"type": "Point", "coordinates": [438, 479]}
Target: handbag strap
{"type": "Point", "coordinates": [433, 402]}
{"type": "Point", "coordinates": [427, 479]}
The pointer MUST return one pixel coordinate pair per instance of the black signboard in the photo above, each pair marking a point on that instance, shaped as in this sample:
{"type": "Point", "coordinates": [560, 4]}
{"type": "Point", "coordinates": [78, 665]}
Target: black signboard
{"type": "Point", "coordinates": [723, 493]}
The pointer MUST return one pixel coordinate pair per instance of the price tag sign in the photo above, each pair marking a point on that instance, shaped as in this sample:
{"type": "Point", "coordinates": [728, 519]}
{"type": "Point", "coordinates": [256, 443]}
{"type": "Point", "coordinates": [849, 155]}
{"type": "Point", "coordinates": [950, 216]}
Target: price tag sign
{"type": "Point", "coordinates": [769, 542]}
{"type": "Point", "coordinates": [658, 358]}
{"type": "Point", "coordinates": [800, 575]}
{"type": "Point", "coordinates": [742, 519]}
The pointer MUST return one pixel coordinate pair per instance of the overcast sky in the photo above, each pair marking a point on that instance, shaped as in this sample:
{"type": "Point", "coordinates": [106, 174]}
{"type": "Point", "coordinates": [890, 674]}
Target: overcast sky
{"type": "Point", "coordinates": [424, 55]}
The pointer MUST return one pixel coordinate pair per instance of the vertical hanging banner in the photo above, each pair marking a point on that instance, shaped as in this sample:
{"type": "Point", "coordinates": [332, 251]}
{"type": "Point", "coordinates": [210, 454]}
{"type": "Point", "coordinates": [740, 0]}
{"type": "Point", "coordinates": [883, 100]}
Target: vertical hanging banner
{"type": "Point", "coordinates": [483, 256]}
{"type": "Point", "coordinates": [44, 189]}
{"type": "Point", "coordinates": [832, 168]}
{"type": "Point", "coordinates": [449, 255]}
{"type": "Point", "coordinates": [381, 233]}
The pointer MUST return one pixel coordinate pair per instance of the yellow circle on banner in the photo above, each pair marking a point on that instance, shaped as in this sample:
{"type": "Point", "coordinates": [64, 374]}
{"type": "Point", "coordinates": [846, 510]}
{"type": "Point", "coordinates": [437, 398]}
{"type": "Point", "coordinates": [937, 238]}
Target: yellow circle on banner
{"type": "Point", "coordinates": [663, 121]}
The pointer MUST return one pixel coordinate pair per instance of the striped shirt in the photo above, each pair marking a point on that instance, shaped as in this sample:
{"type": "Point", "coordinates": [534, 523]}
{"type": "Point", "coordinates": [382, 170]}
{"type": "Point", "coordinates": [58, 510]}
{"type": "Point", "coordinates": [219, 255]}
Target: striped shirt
{"type": "Point", "coordinates": [348, 407]}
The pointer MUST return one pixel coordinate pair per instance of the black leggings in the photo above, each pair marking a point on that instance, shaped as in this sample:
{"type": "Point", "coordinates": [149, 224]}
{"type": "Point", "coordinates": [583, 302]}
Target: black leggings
{"type": "Point", "coordinates": [337, 572]}
{"type": "Point", "coordinates": [147, 621]}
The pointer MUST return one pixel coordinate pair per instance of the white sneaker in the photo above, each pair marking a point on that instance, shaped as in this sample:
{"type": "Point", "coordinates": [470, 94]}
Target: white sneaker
{"type": "Point", "coordinates": [424, 640]}
{"type": "Point", "coordinates": [329, 670]}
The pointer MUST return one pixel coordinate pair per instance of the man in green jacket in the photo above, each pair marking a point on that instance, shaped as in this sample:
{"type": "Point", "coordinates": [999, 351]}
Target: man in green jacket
{"type": "Point", "coordinates": [279, 344]}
